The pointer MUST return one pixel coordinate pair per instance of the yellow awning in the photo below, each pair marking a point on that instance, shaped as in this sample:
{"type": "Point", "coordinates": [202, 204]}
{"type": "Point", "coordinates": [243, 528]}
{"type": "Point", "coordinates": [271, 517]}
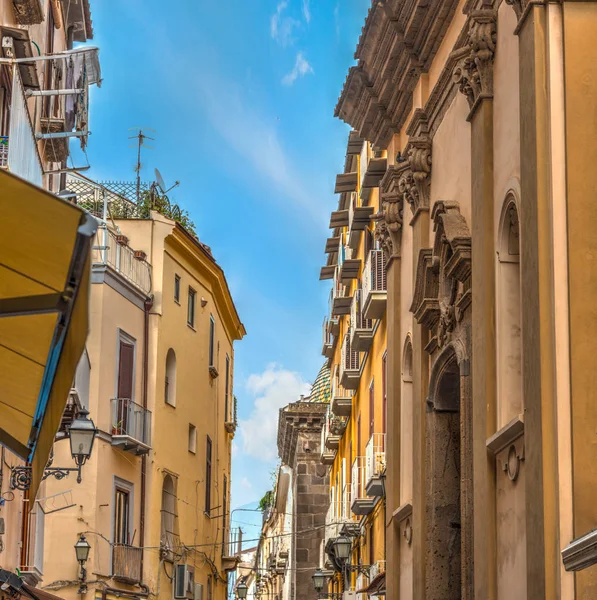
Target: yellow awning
{"type": "Point", "coordinates": [44, 291]}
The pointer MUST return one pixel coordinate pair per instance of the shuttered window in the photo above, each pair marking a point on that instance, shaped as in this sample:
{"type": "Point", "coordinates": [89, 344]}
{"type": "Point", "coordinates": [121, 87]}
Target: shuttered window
{"type": "Point", "coordinates": [126, 359]}
{"type": "Point", "coordinates": [212, 341]}
{"type": "Point", "coordinates": [225, 515]}
{"type": "Point", "coordinates": [227, 391]}
{"type": "Point", "coordinates": [371, 408]}
{"type": "Point", "coordinates": [176, 288]}
{"type": "Point", "coordinates": [121, 516]}
{"type": "Point", "coordinates": [191, 307]}
{"type": "Point", "coordinates": [208, 476]}
{"type": "Point", "coordinates": [384, 392]}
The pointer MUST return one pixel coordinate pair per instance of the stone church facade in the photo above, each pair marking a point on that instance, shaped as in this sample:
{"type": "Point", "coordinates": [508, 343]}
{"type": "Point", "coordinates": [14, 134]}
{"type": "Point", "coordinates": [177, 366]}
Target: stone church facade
{"type": "Point", "coordinates": [486, 111]}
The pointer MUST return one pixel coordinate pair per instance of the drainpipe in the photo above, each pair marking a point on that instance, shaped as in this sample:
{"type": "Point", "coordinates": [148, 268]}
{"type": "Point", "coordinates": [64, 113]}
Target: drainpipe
{"type": "Point", "coordinates": [147, 306]}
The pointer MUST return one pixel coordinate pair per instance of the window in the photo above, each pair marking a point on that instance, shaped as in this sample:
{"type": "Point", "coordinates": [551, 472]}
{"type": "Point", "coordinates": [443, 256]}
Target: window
{"type": "Point", "coordinates": [225, 516]}
{"type": "Point", "coordinates": [384, 392]}
{"type": "Point", "coordinates": [371, 408]}
{"type": "Point", "coordinates": [227, 391]}
{"type": "Point", "coordinates": [212, 340]}
{"type": "Point", "coordinates": [191, 307]}
{"type": "Point", "coordinates": [209, 591]}
{"type": "Point", "coordinates": [122, 508]}
{"type": "Point", "coordinates": [177, 289]}
{"type": "Point", "coordinates": [126, 363]}
{"type": "Point", "coordinates": [168, 526]}
{"type": "Point", "coordinates": [170, 380]}
{"type": "Point", "coordinates": [208, 476]}
{"type": "Point", "coordinates": [192, 439]}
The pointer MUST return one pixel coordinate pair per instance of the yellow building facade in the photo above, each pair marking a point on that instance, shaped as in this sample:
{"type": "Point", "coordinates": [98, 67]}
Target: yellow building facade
{"type": "Point", "coordinates": [355, 341]}
{"type": "Point", "coordinates": [154, 501]}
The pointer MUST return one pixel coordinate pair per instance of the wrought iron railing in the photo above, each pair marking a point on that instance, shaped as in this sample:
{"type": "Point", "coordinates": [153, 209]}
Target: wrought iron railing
{"type": "Point", "coordinates": [357, 320]}
{"type": "Point", "coordinates": [359, 480]}
{"type": "Point", "coordinates": [375, 456]}
{"type": "Point", "coordinates": [131, 420]}
{"type": "Point", "coordinates": [350, 357]}
{"type": "Point", "coordinates": [374, 275]}
{"type": "Point", "coordinates": [3, 151]}
{"type": "Point", "coordinates": [126, 563]}
{"type": "Point", "coordinates": [108, 251]}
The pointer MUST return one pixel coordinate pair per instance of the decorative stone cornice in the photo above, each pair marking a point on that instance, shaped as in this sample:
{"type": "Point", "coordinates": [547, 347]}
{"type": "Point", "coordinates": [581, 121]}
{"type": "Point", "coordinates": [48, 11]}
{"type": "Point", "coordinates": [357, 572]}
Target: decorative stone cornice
{"type": "Point", "coordinates": [398, 42]}
{"type": "Point", "coordinates": [474, 72]}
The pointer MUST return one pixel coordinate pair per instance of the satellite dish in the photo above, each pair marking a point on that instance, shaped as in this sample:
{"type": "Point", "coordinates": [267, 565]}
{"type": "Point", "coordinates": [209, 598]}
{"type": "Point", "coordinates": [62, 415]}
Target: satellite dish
{"type": "Point", "coordinates": [160, 180]}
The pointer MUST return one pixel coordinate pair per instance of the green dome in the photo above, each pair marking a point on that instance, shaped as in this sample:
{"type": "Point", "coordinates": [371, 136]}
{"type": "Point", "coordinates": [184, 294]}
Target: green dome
{"type": "Point", "coordinates": [320, 391]}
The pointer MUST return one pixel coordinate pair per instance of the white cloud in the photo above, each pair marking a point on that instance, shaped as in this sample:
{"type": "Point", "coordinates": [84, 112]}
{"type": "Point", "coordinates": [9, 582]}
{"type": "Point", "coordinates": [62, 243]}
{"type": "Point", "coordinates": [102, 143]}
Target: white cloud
{"type": "Point", "coordinates": [254, 138]}
{"type": "Point", "coordinates": [281, 26]}
{"type": "Point", "coordinates": [301, 68]}
{"type": "Point", "coordinates": [274, 388]}
{"type": "Point", "coordinates": [246, 484]}
{"type": "Point", "coordinates": [306, 11]}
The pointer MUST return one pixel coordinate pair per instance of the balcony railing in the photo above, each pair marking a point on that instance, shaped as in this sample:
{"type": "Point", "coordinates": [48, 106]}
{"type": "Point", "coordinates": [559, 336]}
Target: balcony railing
{"type": "Point", "coordinates": [358, 219]}
{"type": "Point", "coordinates": [332, 430]}
{"type": "Point", "coordinates": [107, 251]}
{"type": "Point", "coordinates": [341, 399]}
{"type": "Point", "coordinates": [340, 300]}
{"type": "Point", "coordinates": [131, 426]}
{"type": "Point", "coordinates": [126, 563]}
{"type": "Point", "coordinates": [327, 348]}
{"type": "Point", "coordinates": [349, 365]}
{"type": "Point", "coordinates": [375, 285]}
{"type": "Point", "coordinates": [348, 263]}
{"type": "Point", "coordinates": [360, 502]}
{"type": "Point", "coordinates": [4, 151]}
{"type": "Point", "coordinates": [375, 464]}
{"type": "Point", "coordinates": [338, 515]}
{"type": "Point", "coordinates": [361, 329]}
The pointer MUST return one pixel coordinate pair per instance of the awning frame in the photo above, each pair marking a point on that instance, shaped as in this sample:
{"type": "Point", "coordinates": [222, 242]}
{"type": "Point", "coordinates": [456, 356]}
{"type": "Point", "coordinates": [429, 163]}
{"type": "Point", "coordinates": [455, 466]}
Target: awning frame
{"type": "Point", "coordinates": [61, 303]}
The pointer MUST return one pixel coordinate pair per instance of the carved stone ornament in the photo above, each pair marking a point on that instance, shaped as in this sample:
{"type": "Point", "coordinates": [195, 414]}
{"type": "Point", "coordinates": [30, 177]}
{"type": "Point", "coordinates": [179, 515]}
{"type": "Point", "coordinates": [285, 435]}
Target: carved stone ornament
{"type": "Point", "coordinates": [474, 72]}
{"type": "Point", "coordinates": [389, 223]}
{"type": "Point", "coordinates": [442, 286]}
{"type": "Point", "coordinates": [415, 185]}
{"type": "Point", "coordinates": [519, 6]}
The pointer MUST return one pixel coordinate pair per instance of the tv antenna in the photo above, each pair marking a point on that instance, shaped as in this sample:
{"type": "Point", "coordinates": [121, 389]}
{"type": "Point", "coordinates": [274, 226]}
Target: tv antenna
{"type": "Point", "coordinates": [140, 137]}
{"type": "Point", "coordinates": [160, 182]}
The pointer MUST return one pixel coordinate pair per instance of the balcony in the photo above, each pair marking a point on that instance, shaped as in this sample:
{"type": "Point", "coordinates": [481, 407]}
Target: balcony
{"type": "Point", "coordinates": [358, 219]}
{"type": "Point", "coordinates": [360, 502]}
{"type": "Point", "coordinates": [350, 371]}
{"type": "Point", "coordinates": [327, 456]}
{"type": "Point", "coordinates": [339, 218]}
{"type": "Point", "coordinates": [349, 266]}
{"type": "Point", "coordinates": [375, 465]}
{"type": "Point", "coordinates": [361, 329]}
{"type": "Point", "coordinates": [111, 251]}
{"type": "Point", "coordinates": [375, 285]}
{"type": "Point", "coordinates": [341, 399]}
{"type": "Point", "coordinates": [131, 426]}
{"type": "Point", "coordinates": [328, 340]}
{"type": "Point", "coordinates": [126, 563]}
{"type": "Point", "coordinates": [346, 182]}
{"type": "Point", "coordinates": [338, 516]}
{"type": "Point", "coordinates": [332, 431]}
{"type": "Point", "coordinates": [375, 171]}
{"type": "Point", "coordinates": [340, 299]}
{"type": "Point", "coordinates": [331, 244]}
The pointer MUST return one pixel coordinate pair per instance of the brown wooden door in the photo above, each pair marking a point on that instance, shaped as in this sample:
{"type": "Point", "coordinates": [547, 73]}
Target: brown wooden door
{"type": "Point", "coordinates": [125, 383]}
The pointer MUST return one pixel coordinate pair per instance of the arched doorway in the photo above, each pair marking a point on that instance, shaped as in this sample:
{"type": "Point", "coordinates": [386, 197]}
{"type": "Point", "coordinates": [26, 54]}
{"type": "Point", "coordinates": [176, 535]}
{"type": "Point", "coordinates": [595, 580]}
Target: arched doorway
{"type": "Point", "coordinates": [443, 480]}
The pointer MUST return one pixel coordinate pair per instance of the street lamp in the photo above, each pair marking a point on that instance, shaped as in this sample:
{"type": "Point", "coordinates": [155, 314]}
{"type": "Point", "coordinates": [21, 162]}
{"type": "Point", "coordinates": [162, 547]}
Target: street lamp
{"type": "Point", "coordinates": [342, 548]}
{"type": "Point", "coordinates": [318, 580]}
{"type": "Point", "coordinates": [82, 548]}
{"type": "Point", "coordinates": [82, 433]}
{"type": "Point", "coordinates": [241, 590]}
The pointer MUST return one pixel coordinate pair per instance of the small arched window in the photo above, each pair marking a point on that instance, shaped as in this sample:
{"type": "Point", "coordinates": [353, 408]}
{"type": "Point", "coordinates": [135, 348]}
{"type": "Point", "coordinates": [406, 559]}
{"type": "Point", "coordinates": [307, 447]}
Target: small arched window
{"type": "Point", "coordinates": [508, 317]}
{"type": "Point", "coordinates": [170, 383]}
{"type": "Point", "coordinates": [406, 423]}
{"type": "Point", "coordinates": [168, 527]}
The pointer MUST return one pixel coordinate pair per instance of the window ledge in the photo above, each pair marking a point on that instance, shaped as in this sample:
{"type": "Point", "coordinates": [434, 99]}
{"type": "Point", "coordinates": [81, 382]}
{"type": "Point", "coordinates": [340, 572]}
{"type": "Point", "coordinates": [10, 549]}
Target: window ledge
{"type": "Point", "coordinates": [191, 327]}
{"type": "Point", "coordinates": [506, 435]}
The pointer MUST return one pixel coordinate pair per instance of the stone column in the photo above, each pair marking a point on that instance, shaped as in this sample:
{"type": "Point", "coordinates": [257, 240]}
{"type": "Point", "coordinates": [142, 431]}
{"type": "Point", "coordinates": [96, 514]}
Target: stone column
{"type": "Point", "coordinates": [474, 74]}
{"type": "Point", "coordinates": [416, 185]}
{"type": "Point", "coordinates": [388, 232]}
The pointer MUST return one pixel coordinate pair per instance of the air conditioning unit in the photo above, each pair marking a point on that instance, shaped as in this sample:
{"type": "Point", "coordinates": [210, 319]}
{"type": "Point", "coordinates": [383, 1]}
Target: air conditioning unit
{"type": "Point", "coordinates": [350, 595]}
{"type": "Point", "coordinates": [184, 582]}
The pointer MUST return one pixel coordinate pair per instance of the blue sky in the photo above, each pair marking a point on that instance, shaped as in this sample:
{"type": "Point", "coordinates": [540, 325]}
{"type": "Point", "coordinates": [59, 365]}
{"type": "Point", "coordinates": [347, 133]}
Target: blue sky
{"type": "Point", "coordinates": [241, 95]}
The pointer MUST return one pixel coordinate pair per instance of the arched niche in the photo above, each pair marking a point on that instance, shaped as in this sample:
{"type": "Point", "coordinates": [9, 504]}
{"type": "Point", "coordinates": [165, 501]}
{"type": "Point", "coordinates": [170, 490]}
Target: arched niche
{"type": "Point", "coordinates": [508, 314]}
{"type": "Point", "coordinates": [406, 423]}
{"type": "Point", "coordinates": [170, 383]}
